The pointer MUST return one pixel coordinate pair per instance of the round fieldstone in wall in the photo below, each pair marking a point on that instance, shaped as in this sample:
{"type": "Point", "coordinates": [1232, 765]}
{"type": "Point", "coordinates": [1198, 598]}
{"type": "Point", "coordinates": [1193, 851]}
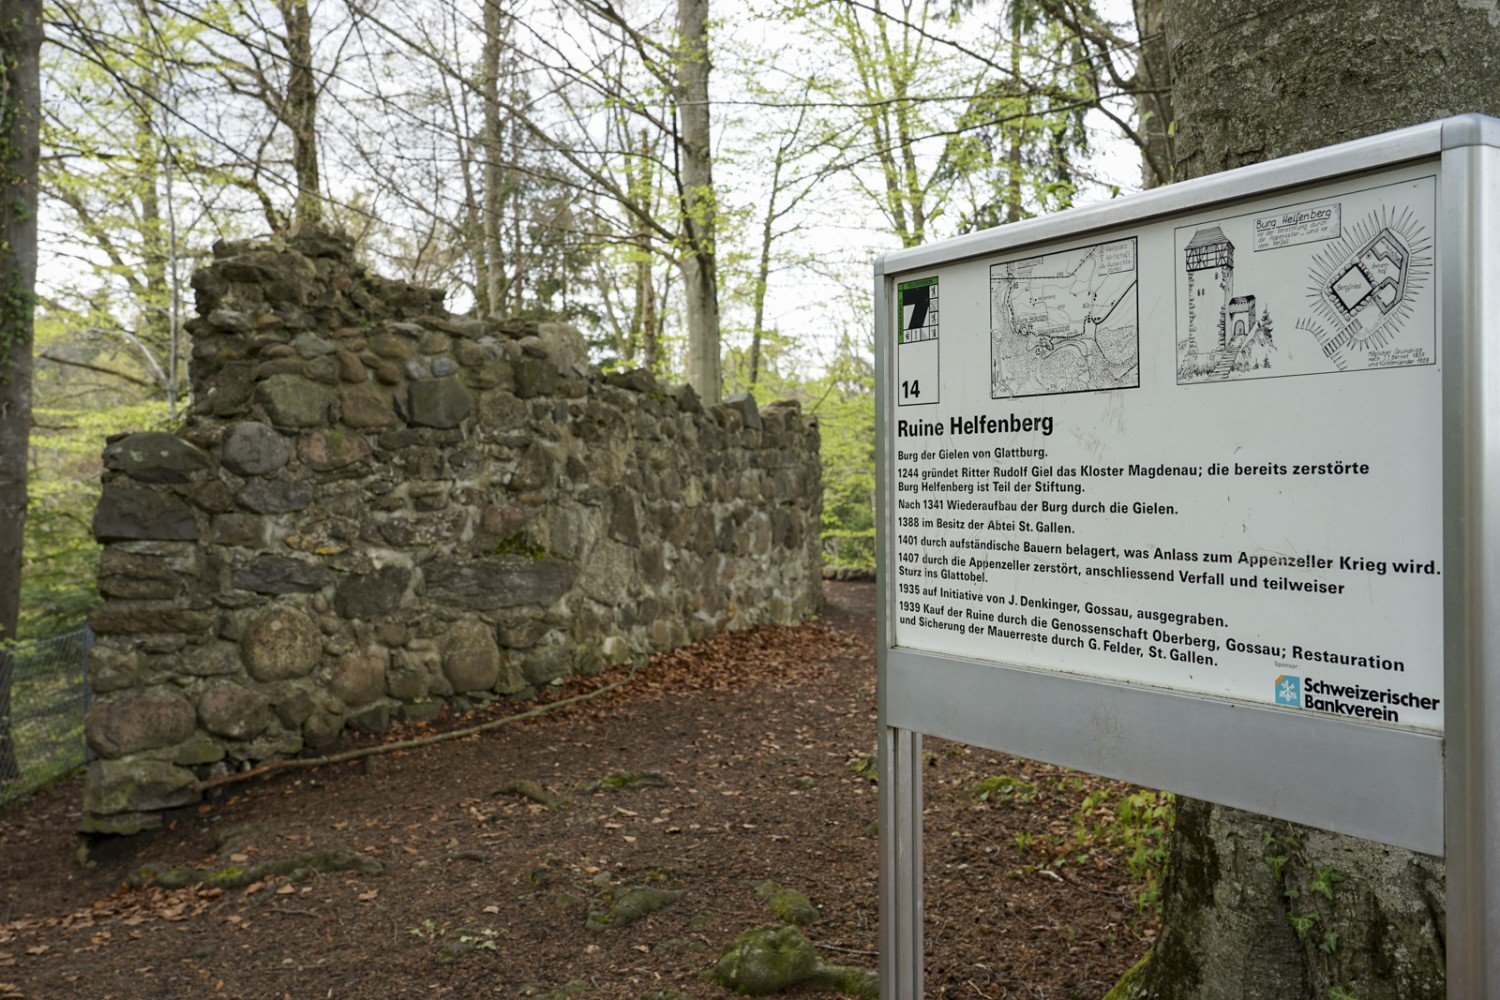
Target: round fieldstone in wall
{"type": "Point", "coordinates": [471, 657]}
{"type": "Point", "coordinates": [280, 644]}
{"type": "Point", "coordinates": [291, 401]}
{"type": "Point", "coordinates": [325, 450]}
{"type": "Point", "coordinates": [227, 709]}
{"type": "Point", "coordinates": [440, 403]}
{"type": "Point", "coordinates": [140, 720]}
{"type": "Point", "coordinates": [253, 449]}
{"type": "Point", "coordinates": [359, 678]}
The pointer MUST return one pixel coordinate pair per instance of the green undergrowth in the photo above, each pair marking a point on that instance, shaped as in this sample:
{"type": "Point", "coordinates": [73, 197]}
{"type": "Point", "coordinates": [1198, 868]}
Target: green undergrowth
{"type": "Point", "coordinates": [1108, 826]}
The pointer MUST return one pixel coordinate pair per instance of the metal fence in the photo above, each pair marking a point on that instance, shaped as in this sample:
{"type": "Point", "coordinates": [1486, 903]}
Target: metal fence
{"type": "Point", "coordinates": [41, 722]}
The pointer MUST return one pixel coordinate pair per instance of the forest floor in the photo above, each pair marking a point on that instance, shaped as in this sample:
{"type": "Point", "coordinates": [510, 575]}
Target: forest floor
{"type": "Point", "coordinates": [754, 747]}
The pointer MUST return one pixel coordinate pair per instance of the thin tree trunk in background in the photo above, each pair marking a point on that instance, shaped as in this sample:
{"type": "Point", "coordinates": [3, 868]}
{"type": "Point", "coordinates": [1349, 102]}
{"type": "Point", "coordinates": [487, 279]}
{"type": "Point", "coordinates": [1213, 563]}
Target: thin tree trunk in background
{"type": "Point", "coordinates": [473, 230]}
{"type": "Point", "coordinates": [650, 315]}
{"type": "Point", "coordinates": [1252, 81]}
{"type": "Point", "coordinates": [20, 120]}
{"type": "Point", "coordinates": [699, 208]}
{"type": "Point", "coordinates": [494, 175]}
{"type": "Point", "coordinates": [1013, 154]}
{"type": "Point", "coordinates": [154, 322]}
{"type": "Point", "coordinates": [641, 179]}
{"type": "Point", "coordinates": [302, 111]}
{"type": "Point", "coordinates": [763, 269]}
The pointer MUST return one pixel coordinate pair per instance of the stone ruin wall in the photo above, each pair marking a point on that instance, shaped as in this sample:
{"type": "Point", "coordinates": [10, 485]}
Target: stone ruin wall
{"type": "Point", "coordinates": [377, 507]}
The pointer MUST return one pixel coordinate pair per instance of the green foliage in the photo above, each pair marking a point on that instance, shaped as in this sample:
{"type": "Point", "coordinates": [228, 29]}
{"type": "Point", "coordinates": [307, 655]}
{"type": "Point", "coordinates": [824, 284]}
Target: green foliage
{"type": "Point", "coordinates": [845, 409]}
{"type": "Point", "coordinates": [1316, 893]}
{"type": "Point", "coordinates": [518, 545]}
{"type": "Point", "coordinates": [1003, 786]}
{"type": "Point", "coordinates": [866, 766]}
{"type": "Point", "coordinates": [1323, 882]}
{"type": "Point", "coordinates": [1139, 826]}
{"type": "Point", "coordinates": [1302, 923]}
{"type": "Point", "coordinates": [48, 703]}
{"type": "Point", "coordinates": [1108, 826]}
{"type": "Point", "coordinates": [61, 558]}
{"type": "Point", "coordinates": [77, 406]}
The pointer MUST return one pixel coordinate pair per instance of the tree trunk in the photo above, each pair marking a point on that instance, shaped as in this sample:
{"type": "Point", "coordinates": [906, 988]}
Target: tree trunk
{"type": "Point", "coordinates": [645, 319]}
{"type": "Point", "coordinates": [20, 121]}
{"type": "Point", "coordinates": [494, 175]}
{"type": "Point", "coordinates": [1153, 102]}
{"type": "Point", "coordinates": [699, 207]}
{"type": "Point", "coordinates": [302, 111]}
{"type": "Point", "coordinates": [1258, 79]}
{"type": "Point", "coordinates": [1255, 907]}
{"type": "Point", "coordinates": [153, 325]}
{"type": "Point", "coordinates": [763, 268]}
{"type": "Point", "coordinates": [1014, 166]}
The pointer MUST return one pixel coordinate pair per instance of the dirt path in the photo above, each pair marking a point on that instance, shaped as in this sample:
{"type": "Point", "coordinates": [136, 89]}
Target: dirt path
{"type": "Point", "coordinates": [752, 743]}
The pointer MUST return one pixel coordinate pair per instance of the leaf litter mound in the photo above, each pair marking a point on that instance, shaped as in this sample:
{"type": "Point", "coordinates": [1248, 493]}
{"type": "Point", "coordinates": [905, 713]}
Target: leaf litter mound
{"type": "Point", "coordinates": [714, 772]}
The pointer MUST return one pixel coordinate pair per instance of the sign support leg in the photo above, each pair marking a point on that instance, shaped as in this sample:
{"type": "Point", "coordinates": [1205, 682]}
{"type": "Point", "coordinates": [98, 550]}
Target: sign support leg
{"type": "Point", "coordinates": [901, 952]}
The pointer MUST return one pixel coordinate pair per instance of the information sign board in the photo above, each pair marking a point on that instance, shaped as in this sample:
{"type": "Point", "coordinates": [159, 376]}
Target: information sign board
{"type": "Point", "coordinates": [1194, 490]}
{"type": "Point", "coordinates": [1197, 453]}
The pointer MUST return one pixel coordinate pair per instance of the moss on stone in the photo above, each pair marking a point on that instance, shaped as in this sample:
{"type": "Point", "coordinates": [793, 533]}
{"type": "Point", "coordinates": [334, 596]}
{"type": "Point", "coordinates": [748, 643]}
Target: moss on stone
{"type": "Point", "coordinates": [789, 905]}
{"type": "Point", "coordinates": [625, 781]}
{"type": "Point", "coordinates": [849, 980]}
{"type": "Point", "coordinates": [517, 545]}
{"type": "Point", "coordinates": [766, 960]}
{"type": "Point", "coordinates": [610, 911]}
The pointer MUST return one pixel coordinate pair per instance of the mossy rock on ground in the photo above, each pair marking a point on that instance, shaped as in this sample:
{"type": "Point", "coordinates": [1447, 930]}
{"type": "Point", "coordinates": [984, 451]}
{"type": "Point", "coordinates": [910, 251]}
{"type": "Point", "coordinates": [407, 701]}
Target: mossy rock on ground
{"type": "Point", "coordinates": [789, 905]}
{"type": "Point", "coordinates": [773, 958]}
{"type": "Point", "coordinates": [611, 910]}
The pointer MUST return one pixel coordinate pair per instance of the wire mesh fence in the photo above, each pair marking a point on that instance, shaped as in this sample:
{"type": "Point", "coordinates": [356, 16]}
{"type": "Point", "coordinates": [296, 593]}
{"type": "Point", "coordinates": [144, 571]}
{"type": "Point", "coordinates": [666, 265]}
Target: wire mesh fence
{"type": "Point", "coordinates": [43, 697]}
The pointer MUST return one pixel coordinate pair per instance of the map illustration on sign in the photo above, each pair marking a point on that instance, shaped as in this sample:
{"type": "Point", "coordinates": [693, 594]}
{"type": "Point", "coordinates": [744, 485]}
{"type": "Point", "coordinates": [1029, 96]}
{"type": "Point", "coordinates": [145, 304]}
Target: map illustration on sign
{"type": "Point", "coordinates": [1303, 291]}
{"type": "Point", "coordinates": [1366, 285]}
{"type": "Point", "coordinates": [1065, 322]}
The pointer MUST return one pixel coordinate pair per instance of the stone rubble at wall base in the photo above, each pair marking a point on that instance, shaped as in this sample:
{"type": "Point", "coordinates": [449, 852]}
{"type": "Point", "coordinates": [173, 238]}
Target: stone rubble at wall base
{"type": "Point", "coordinates": [377, 506]}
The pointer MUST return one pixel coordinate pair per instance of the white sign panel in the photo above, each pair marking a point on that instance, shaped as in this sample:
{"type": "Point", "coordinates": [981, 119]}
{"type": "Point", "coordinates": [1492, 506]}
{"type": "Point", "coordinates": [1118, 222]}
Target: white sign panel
{"type": "Point", "coordinates": [1198, 454]}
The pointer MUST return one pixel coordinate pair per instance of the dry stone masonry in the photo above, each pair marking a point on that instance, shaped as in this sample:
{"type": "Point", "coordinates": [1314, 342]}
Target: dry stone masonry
{"type": "Point", "coordinates": [378, 507]}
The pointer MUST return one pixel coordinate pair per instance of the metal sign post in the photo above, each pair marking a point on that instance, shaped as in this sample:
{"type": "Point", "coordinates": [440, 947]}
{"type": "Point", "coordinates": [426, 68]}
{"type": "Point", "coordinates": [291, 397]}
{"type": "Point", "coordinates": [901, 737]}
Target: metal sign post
{"type": "Point", "coordinates": [1196, 490]}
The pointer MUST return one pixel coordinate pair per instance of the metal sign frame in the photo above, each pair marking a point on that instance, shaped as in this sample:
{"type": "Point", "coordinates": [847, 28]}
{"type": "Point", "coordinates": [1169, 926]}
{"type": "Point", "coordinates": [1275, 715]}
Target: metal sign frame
{"type": "Point", "coordinates": [1434, 793]}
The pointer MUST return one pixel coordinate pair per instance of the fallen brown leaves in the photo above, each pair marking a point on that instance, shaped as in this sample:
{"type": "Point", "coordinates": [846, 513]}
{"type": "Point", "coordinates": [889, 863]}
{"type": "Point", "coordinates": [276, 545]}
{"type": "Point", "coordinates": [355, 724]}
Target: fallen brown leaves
{"type": "Point", "coordinates": [126, 908]}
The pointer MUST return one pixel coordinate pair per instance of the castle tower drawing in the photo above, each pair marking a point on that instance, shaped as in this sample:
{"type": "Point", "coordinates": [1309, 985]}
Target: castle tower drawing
{"type": "Point", "coordinates": [1239, 321]}
{"type": "Point", "coordinates": [1210, 285]}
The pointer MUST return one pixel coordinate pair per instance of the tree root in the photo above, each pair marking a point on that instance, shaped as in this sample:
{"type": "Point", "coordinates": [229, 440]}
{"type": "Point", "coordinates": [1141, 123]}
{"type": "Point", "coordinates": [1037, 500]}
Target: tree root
{"type": "Point", "coordinates": [238, 878]}
{"type": "Point", "coordinates": [301, 763]}
{"type": "Point", "coordinates": [532, 790]}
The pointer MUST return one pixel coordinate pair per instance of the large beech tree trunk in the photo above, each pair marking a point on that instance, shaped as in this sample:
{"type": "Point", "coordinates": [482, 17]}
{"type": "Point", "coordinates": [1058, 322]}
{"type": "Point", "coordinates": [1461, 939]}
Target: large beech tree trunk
{"type": "Point", "coordinates": [1255, 907]}
{"type": "Point", "coordinates": [20, 120]}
